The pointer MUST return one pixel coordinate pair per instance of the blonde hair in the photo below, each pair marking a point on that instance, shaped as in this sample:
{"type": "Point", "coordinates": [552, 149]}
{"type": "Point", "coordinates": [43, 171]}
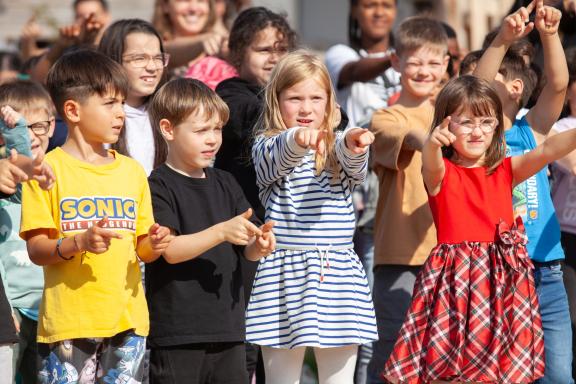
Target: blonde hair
{"type": "Point", "coordinates": [161, 20]}
{"type": "Point", "coordinates": [292, 69]}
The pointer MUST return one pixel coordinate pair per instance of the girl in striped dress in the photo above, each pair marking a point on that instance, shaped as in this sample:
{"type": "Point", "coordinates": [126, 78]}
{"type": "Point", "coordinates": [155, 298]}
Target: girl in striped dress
{"type": "Point", "coordinates": [312, 290]}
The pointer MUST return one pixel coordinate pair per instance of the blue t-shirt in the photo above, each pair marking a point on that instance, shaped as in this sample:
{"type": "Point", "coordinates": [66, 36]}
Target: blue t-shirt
{"type": "Point", "coordinates": [532, 200]}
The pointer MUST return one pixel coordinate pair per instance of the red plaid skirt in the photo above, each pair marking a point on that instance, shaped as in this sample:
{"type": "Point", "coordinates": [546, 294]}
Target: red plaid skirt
{"type": "Point", "coordinates": [474, 316]}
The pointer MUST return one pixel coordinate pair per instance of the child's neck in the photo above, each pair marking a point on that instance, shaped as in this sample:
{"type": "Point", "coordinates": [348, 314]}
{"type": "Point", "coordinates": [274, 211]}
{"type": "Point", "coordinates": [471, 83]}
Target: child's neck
{"type": "Point", "coordinates": [406, 99]}
{"type": "Point", "coordinates": [509, 116]}
{"type": "Point", "coordinates": [178, 166]}
{"type": "Point", "coordinates": [90, 152]}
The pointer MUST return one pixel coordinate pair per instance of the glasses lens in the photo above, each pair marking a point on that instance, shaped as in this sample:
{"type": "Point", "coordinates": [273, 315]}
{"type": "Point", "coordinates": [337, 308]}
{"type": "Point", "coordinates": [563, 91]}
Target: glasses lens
{"type": "Point", "coordinates": [40, 129]}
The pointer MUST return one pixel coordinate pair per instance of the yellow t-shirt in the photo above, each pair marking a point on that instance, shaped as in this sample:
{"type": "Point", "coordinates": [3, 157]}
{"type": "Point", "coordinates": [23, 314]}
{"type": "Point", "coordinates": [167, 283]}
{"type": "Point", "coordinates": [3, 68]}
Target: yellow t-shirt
{"type": "Point", "coordinates": [95, 295]}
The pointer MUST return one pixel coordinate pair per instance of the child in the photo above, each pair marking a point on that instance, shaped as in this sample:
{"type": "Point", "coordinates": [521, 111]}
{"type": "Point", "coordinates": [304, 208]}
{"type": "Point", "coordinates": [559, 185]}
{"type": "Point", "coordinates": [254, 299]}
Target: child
{"type": "Point", "coordinates": [312, 291]}
{"type": "Point", "coordinates": [29, 106]}
{"type": "Point", "coordinates": [480, 262]}
{"type": "Point", "coordinates": [137, 46]}
{"type": "Point", "coordinates": [197, 306]}
{"type": "Point", "coordinates": [532, 199]}
{"type": "Point", "coordinates": [403, 231]}
{"type": "Point", "coordinates": [88, 231]}
{"type": "Point", "coordinates": [258, 39]}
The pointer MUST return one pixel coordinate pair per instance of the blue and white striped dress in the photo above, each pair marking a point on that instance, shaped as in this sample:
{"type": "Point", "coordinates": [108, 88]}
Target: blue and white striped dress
{"type": "Point", "coordinates": [311, 291]}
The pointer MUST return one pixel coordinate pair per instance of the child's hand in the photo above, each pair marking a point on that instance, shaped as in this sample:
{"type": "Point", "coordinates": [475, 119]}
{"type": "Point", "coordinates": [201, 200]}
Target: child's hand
{"type": "Point", "coordinates": [10, 116]}
{"type": "Point", "coordinates": [97, 239]}
{"type": "Point", "coordinates": [266, 243]}
{"type": "Point", "coordinates": [239, 230]}
{"type": "Point", "coordinates": [441, 135]}
{"type": "Point", "coordinates": [517, 25]}
{"type": "Point", "coordinates": [547, 19]}
{"type": "Point", "coordinates": [10, 174]}
{"type": "Point", "coordinates": [42, 172]}
{"type": "Point", "coordinates": [311, 138]}
{"type": "Point", "coordinates": [160, 238]}
{"type": "Point", "coordinates": [358, 140]}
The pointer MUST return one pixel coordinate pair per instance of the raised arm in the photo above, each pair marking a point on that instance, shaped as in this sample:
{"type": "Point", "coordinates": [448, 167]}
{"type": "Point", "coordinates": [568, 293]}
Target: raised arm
{"type": "Point", "coordinates": [514, 27]}
{"type": "Point", "coordinates": [275, 157]}
{"type": "Point", "coordinates": [551, 100]}
{"type": "Point", "coordinates": [433, 167]}
{"type": "Point", "coordinates": [553, 148]}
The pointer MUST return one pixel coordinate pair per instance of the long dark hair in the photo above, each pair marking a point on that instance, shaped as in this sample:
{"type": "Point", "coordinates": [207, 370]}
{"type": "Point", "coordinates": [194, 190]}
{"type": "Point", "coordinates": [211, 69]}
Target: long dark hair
{"type": "Point", "coordinates": [112, 45]}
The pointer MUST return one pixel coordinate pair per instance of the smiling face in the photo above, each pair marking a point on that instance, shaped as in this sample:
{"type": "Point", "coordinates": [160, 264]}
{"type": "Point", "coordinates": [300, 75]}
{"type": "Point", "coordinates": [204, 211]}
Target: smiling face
{"type": "Point", "coordinates": [41, 128]}
{"type": "Point", "coordinates": [375, 18]}
{"type": "Point", "coordinates": [262, 56]}
{"type": "Point", "coordinates": [304, 104]}
{"type": "Point", "coordinates": [421, 70]}
{"type": "Point", "coordinates": [188, 17]}
{"type": "Point", "coordinates": [143, 81]}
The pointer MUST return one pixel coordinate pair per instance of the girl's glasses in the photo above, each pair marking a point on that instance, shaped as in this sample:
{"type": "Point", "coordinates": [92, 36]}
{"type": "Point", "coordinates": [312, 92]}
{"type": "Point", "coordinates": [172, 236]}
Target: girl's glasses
{"type": "Point", "coordinates": [40, 128]}
{"type": "Point", "coordinates": [466, 126]}
{"type": "Point", "coordinates": [141, 61]}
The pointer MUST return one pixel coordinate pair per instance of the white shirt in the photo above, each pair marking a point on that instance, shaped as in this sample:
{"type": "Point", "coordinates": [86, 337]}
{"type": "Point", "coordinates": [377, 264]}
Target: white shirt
{"type": "Point", "coordinates": [139, 136]}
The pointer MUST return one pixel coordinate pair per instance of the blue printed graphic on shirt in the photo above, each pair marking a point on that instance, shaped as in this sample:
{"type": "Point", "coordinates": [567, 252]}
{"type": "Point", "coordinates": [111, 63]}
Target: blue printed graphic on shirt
{"type": "Point", "coordinates": [531, 199]}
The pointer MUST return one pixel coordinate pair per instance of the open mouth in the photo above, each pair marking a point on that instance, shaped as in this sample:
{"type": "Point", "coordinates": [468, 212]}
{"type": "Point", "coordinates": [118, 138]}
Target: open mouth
{"type": "Point", "coordinates": [304, 121]}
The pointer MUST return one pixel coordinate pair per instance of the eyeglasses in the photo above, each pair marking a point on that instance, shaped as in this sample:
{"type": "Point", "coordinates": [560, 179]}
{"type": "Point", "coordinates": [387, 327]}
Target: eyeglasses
{"type": "Point", "coordinates": [141, 61]}
{"type": "Point", "coordinates": [466, 126]}
{"type": "Point", "coordinates": [40, 128]}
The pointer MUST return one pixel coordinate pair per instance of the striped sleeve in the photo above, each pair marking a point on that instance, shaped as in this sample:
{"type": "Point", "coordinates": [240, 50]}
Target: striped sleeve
{"type": "Point", "coordinates": [276, 157]}
{"type": "Point", "coordinates": [355, 166]}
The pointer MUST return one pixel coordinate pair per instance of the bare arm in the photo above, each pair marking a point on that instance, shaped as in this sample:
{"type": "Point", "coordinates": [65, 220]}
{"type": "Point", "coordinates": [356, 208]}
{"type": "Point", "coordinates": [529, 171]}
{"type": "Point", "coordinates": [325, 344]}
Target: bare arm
{"type": "Point", "coordinates": [553, 148]}
{"type": "Point", "coordinates": [363, 70]}
{"type": "Point", "coordinates": [551, 100]}
{"type": "Point", "coordinates": [42, 249]}
{"type": "Point", "coordinates": [433, 167]}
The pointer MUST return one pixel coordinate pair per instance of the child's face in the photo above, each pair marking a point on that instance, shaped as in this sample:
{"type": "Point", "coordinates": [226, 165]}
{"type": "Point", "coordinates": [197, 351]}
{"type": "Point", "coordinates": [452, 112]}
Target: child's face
{"type": "Point", "coordinates": [40, 129]}
{"type": "Point", "coordinates": [188, 17]}
{"type": "Point", "coordinates": [421, 70]}
{"type": "Point", "coordinates": [262, 55]}
{"type": "Point", "coordinates": [474, 135]}
{"type": "Point", "coordinates": [375, 17]}
{"type": "Point", "coordinates": [304, 104]}
{"type": "Point", "coordinates": [86, 8]}
{"type": "Point", "coordinates": [144, 65]}
{"type": "Point", "coordinates": [571, 98]}
{"type": "Point", "coordinates": [195, 142]}
{"type": "Point", "coordinates": [100, 118]}
{"type": "Point", "coordinates": [508, 91]}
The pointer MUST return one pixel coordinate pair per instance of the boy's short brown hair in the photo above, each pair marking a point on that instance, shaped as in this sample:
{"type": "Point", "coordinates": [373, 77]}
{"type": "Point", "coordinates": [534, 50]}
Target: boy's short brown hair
{"type": "Point", "coordinates": [26, 96]}
{"type": "Point", "coordinates": [418, 31]}
{"type": "Point", "coordinates": [180, 98]}
{"type": "Point", "coordinates": [79, 74]}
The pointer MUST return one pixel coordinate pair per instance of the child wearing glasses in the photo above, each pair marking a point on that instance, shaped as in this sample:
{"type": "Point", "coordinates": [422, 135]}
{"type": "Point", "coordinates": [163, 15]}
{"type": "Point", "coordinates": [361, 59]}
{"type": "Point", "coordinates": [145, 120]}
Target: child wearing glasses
{"type": "Point", "coordinates": [26, 123]}
{"type": "Point", "coordinates": [137, 46]}
{"type": "Point", "coordinates": [474, 315]}
{"type": "Point", "coordinates": [531, 199]}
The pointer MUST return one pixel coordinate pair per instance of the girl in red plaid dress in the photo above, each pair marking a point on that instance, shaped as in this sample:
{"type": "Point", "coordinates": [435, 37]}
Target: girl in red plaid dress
{"type": "Point", "coordinates": [474, 315]}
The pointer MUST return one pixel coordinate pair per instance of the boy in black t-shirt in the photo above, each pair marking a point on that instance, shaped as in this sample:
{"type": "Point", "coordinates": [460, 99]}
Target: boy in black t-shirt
{"type": "Point", "coordinates": [196, 307]}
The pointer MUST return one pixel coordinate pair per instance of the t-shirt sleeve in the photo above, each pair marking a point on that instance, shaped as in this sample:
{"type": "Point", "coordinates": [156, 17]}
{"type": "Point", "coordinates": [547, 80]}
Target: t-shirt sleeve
{"type": "Point", "coordinates": [388, 147]}
{"type": "Point", "coordinates": [37, 210]}
{"type": "Point", "coordinates": [164, 211]}
{"type": "Point", "coordinates": [145, 217]}
{"type": "Point", "coordinates": [336, 58]}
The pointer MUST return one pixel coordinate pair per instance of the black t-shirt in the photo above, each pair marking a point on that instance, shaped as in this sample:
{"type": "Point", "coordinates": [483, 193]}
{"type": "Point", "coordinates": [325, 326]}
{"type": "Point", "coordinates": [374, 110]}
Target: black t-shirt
{"type": "Point", "coordinates": [200, 300]}
{"type": "Point", "coordinates": [7, 330]}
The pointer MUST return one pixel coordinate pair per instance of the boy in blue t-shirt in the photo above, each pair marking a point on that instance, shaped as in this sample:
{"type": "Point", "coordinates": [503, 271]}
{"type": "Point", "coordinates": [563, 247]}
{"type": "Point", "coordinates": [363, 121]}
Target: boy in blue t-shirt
{"type": "Point", "coordinates": [532, 201]}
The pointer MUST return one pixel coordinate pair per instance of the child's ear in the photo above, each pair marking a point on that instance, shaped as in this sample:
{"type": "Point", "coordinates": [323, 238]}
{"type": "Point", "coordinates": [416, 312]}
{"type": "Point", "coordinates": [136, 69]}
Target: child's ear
{"type": "Point", "coordinates": [71, 110]}
{"type": "Point", "coordinates": [445, 63]}
{"type": "Point", "coordinates": [395, 61]}
{"type": "Point", "coordinates": [166, 129]}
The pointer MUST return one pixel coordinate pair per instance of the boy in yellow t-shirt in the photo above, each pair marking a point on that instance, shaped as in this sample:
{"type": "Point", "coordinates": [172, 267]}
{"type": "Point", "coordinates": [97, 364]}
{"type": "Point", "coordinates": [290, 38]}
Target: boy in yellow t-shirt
{"type": "Point", "coordinates": [89, 230]}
